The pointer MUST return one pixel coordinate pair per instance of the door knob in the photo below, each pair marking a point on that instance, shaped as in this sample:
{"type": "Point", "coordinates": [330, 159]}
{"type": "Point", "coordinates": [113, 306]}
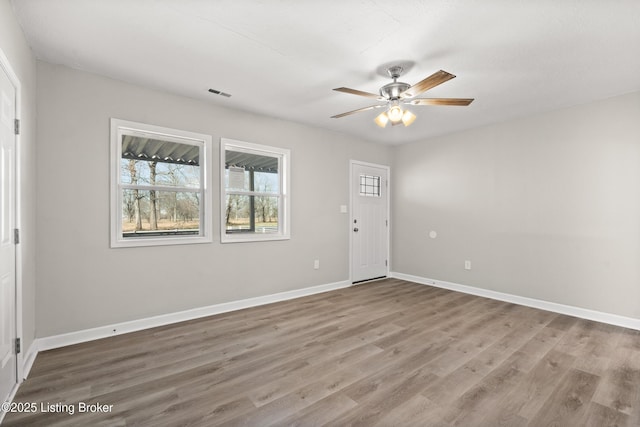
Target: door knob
{"type": "Point", "coordinates": [355, 229]}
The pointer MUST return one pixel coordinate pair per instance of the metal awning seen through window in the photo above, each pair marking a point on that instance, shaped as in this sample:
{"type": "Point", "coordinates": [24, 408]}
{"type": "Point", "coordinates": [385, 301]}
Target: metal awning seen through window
{"type": "Point", "coordinates": [137, 148]}
{"type": "Point", "coordinates": [251, 162]}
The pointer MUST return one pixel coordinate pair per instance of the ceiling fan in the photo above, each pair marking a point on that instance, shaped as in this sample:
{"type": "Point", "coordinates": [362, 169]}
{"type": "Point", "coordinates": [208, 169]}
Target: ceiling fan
{"type": "Point", "coordinates": [396, 94]}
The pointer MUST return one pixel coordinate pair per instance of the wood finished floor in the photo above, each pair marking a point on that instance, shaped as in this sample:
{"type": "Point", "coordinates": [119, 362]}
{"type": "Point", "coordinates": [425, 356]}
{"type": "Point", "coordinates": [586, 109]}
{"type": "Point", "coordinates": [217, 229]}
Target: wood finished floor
{"type": "Point", "coordinates": [387, 353]}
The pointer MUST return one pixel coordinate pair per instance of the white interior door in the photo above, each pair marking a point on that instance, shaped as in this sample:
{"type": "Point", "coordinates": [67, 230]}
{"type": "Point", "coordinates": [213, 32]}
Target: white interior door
{"type": "Point", "coordinates": [8, 357]}
{"type": "Point", "coordinates": [369, 221]}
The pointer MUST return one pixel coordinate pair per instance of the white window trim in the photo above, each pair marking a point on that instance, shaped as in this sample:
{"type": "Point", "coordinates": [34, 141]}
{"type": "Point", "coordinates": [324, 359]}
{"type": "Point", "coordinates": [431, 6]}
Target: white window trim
{"type": "Point", "coordinates": [284, 195]}
{"type": "Point", "coordinates": [120, 127]}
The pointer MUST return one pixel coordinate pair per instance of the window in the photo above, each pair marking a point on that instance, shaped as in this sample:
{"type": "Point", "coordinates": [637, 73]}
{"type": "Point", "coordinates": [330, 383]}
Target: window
{"type": "Point", "coordinates": [159, 194]}
{"type": "Point", "coordinates": [369, 186]}
{"type": "Point", "coordinates": [255, 192]}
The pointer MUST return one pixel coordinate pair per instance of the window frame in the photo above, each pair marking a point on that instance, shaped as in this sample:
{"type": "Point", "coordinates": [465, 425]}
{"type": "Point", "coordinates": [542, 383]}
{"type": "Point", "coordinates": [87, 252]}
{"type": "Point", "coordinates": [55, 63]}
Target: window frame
{"type": "Point", "coordinates": [119, 128]}
{"type": "Point", "coordinates": [284, 199]}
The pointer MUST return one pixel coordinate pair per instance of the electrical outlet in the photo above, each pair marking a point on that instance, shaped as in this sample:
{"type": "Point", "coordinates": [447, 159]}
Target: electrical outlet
{"type": "Point", "coordinates": [467, 265]}
{"type": "Point", "coordinates": [316, 264]}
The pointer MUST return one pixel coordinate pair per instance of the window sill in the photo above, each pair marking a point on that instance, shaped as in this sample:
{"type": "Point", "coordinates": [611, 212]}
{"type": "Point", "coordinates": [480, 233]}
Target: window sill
{"type": "Point", "coordinates": [151, 241]}
{"type": "Point", "coordinates": [243, 238]}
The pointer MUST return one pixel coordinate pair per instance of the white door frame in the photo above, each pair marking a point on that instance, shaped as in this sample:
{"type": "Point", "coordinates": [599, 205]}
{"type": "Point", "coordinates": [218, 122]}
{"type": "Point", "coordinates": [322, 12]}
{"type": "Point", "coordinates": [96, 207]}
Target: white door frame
{"type": "Point", "coordinates": [13, 77]}
{"type": "Point", "coordinates": [351, 202]}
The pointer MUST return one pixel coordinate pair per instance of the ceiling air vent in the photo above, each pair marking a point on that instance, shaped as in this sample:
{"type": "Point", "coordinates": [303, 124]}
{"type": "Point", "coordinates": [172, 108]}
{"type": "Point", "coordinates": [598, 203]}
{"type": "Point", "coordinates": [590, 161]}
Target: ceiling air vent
{"type": "Point", "coordinates": [217, 92]}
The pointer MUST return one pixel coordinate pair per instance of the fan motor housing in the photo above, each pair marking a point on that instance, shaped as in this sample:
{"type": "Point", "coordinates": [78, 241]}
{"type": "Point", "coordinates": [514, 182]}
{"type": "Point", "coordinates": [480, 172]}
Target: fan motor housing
{"type": "Point", "coordinates": [393, 90]}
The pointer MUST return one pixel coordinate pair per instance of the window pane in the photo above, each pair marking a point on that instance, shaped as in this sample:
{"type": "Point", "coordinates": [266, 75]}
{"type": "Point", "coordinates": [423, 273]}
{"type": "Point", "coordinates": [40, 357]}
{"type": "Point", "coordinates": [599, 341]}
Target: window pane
{"type": "Point", "coordinates": [251, 172]}
{"type": "Point", "coordinates": [265, 182]}
{"type": "Point", "coordinates": [155, 162]}
{"type": "Point", "coordinates": [159, 213]}
{"type": "Point", "coordinates": [258, 214]}
{"type": "Point", "coordinates": [369, 186]}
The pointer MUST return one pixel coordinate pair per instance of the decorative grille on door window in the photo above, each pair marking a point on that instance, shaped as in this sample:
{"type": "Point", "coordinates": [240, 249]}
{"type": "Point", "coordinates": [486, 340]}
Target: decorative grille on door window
{"type": "Point", "coordinates": [369, 186]}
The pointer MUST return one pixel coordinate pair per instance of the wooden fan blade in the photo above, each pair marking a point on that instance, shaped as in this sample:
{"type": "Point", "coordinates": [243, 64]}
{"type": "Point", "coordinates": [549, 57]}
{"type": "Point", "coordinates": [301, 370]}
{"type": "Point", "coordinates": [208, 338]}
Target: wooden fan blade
{"type": "Point", "coordinates": [432, 81]}
{"type": "Point", "coordinates": [441, 101]}
{"type": "Point", "coordinates": [372, 107]}
{"type": "Point", "coordinates": [360, 93]}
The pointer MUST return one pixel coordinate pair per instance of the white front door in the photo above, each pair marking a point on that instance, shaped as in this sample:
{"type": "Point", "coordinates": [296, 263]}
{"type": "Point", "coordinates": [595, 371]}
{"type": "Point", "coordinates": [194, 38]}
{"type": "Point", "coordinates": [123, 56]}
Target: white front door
{"type": "Point", "coordinates": [8, 357]}
{"type": "Point", "coordinates": [369, 221]}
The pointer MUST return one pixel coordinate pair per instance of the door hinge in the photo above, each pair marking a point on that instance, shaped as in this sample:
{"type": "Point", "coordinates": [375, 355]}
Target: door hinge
{"type": "Point", "coordinates": [16, 235]}
{"type": "Point", "coordinates": [18, 349]}
{"type": "Point", "coordinates": [16, 126]}
{"type": "Point", "coordinates": [386, 263]}
{"type": "Point", "coordinates": [386, 222]}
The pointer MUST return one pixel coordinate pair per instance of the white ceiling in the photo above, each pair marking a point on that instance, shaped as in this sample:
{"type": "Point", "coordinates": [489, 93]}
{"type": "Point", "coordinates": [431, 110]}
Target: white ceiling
{"type": "Point", "coordinates": [282, 57]}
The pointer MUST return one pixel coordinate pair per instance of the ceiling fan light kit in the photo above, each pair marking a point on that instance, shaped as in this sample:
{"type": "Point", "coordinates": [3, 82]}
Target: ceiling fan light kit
{"type": "Point", "coordinates": [397, 93]}
{"type": "Point", "coordinates": [395, 115]}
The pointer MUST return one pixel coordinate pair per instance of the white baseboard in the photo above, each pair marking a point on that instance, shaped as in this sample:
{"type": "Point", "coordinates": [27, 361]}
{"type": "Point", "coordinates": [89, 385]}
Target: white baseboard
{"type": "Point", "coordinates": [598, 316]}
{"type": "Point", "coordinates": [62, 340]}
{"type": "Point", "coordinates": [29, 358]}
{"type": "Point", "coordinates": [9, 398]}
{"type": "Point", "coordinates": [27, 363]}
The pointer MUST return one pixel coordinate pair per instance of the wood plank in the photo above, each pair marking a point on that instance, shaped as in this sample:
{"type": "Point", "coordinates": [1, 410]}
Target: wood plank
{"type": "Point", "coordinates": [620, 386]}
{"type": "Point", "coordinates": [567, 405]}
{"type": "Point", "coordinates": [527, 397]}
{"type": "Point", "coordinates": [602, 416]}
{"type": "Point", "coordinates": [320, 413]}
{"type": "Point", "coordinates": [487, 393]}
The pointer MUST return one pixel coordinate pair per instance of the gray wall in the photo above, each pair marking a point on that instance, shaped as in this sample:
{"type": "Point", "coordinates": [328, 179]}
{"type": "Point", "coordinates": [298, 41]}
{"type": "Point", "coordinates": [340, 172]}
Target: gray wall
{"type": "Point", "coordinates": [23, 62]}
{"type": "Point", "coordinates": [82, 283]}
{"type": "Point", "coordinates": [546, 207]}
